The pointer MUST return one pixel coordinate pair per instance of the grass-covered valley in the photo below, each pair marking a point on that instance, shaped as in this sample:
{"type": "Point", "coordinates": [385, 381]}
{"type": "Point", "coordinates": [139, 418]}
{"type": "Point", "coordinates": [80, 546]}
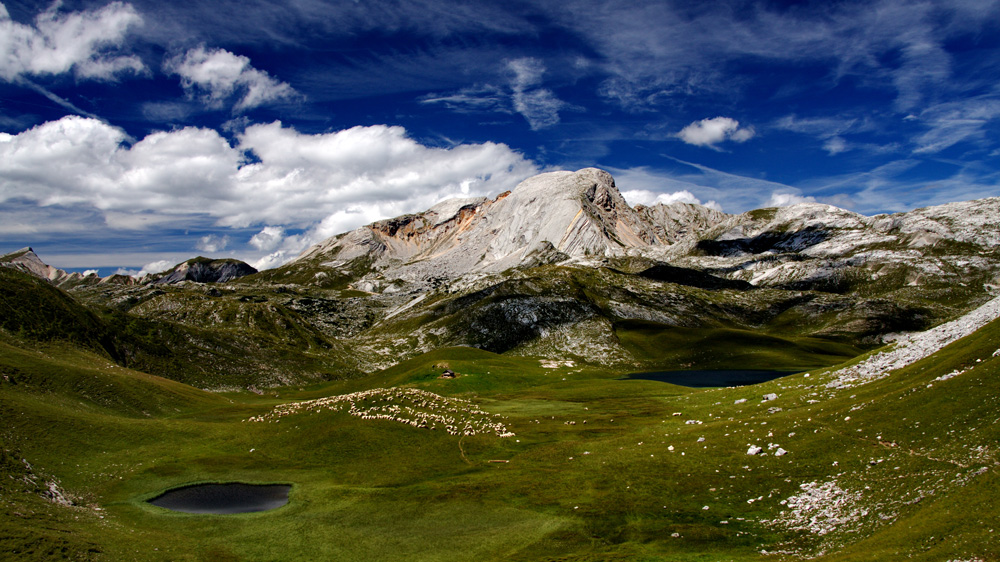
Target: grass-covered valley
{"type": "Point", "coordinates": [563, 460]}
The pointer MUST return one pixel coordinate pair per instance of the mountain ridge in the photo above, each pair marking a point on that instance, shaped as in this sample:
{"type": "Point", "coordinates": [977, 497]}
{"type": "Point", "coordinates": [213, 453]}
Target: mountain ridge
{"type": "Point", "coordinates": [562, 266]}
{"type": "Point", "coordinates": [555, 217]}
{"type": "Point", "coordinates": [581, 218]}
{"type": "Point", "coordinates": [198, 269]}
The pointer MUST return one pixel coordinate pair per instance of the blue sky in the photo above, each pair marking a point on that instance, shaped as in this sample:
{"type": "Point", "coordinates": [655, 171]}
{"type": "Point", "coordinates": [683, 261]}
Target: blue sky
{"type": "Point", "coordinates": [138, 134]}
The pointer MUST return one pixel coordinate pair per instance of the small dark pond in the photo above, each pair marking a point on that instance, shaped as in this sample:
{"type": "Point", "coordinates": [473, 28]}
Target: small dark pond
{"type": "Point", "coordinates": [705, 379]}
{"type": "Point", "coordinates": [224, 498]}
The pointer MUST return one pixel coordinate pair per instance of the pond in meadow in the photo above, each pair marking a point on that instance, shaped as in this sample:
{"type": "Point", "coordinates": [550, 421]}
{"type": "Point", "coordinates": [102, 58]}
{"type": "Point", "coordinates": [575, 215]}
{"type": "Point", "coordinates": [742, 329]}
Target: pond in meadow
{"type": "Point", "coordinates": [224, 498]}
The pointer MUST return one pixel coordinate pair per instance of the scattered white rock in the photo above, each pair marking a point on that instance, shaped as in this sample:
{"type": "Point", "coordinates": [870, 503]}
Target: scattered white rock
{"type": "Point", "coordinates": [950, 375]}
{"type": "Point", "coordinates": [754, 450]}
{"type": "Point", "coordinates": [914, 347]}
{"type": "Point", "coordinates": [740, 401]}
{"type": "Point", "coordinates": [55, 494]}
{"type": "Point", "coordinates": [769, 397]}
{"type": "Point", "coordinates": [820, 509]}
{"type": "Point", "coordinates": [554, 364]}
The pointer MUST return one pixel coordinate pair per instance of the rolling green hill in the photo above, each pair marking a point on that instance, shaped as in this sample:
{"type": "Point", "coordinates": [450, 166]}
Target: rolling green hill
{"type": "Point", "coordinates": [597, 468]}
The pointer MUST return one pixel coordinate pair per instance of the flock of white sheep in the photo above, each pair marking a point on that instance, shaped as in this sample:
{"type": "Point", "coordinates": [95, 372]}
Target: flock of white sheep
{"type": "Point", "coordinates": [412, 406]}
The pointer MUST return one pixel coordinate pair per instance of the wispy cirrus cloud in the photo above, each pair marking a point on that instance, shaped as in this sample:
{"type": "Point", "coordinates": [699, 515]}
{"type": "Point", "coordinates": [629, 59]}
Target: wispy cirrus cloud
{"type": "Point", "coordinates": [837, 135]}
{"type": "Point", "coordinates": [217, 76]}
{"type": "Point", "coordinates": [85, 43]}
{"type": "Point", "coordinates": [538, 105]}
{"type": "Point", "coordinates": [658, 52]}
{"type": "Point", "coordinates": [953, 122]}
{"type": "Point", "coordinates": [521, 93]}
{"type": "Point", "coordinates": [831, 131]}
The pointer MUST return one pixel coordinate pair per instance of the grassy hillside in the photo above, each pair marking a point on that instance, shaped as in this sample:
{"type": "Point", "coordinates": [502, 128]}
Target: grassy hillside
{"type": "Point", "coordinates": [207, 341]}
{"type": "Point", "coordinates": [598, 468]}
{"type": "Point", "coordinates": [274, 330]}
{"type": "Point", "coordinates": [34, 309]}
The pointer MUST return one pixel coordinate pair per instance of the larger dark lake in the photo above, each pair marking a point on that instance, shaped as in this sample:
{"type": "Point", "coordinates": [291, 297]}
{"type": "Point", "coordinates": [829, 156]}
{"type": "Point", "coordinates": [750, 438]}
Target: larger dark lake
{"type": "Point", "coordinates": [705, 379]}
{"type": "Point", "coordinates": [224, 498]}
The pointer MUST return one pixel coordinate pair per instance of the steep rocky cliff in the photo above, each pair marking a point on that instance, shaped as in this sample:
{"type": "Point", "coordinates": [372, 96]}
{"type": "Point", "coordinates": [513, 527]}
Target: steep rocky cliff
{"type": "Point", "coordinates": [557, 217]}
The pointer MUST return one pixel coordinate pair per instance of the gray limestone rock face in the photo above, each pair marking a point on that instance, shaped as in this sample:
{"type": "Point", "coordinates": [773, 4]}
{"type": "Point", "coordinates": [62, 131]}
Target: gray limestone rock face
{"type": "Point", "coordinates": [580, 218]}
{"type": "Point", "coordinates": [550, 218]}
{"type": "Point", "coordinates": [202, 270]}
{"type": "Point", "coordinates": [27, 260]}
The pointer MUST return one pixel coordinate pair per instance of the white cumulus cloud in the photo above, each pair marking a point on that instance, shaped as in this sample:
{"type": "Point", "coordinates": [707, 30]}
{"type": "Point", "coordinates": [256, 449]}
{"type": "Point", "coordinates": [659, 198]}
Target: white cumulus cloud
{"type": "Point", "coordinates": [154, 267]}
{"type": "Point", "coordinates": [212, 243]}
{"type": "Point", "coordinates": [710, 132]}
{"type": "Point", "coordinates": [218, 76]}
{"type": "Point", "coordinates": [649, 198]}
{"type": "Point", "coordinates": [320, 184]}
{"type": "Point", "coordinates": [268, 239]}
{"type": "Point", "coordinates": [83, 42]}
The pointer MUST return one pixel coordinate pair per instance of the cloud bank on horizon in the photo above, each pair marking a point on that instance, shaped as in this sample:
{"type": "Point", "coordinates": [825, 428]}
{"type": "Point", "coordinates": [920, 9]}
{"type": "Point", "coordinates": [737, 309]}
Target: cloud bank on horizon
{"type": "Point", "coordinates": [157, 131]}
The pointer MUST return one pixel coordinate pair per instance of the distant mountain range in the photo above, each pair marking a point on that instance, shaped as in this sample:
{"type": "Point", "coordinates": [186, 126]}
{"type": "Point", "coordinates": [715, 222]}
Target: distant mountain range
{"type": "Point", "coordinates": [199, 270]}
{"type": "Point", "coordinates": [563, 266]}
{"type": "Point", "coordinates": [580, 218]}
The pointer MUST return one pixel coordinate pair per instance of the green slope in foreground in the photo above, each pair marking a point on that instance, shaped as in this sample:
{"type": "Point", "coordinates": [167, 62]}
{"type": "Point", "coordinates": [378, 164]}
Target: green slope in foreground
{"type": "Point", "coordinates": [597, 468]}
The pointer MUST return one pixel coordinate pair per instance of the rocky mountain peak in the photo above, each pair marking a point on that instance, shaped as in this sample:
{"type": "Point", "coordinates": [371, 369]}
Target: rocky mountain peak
{"type": "Point", "coordinates": [27, 260]}
{"type": "Point", "coordinates": [549, 218]}
{"type": "Point", "coordinates": [205, 270]}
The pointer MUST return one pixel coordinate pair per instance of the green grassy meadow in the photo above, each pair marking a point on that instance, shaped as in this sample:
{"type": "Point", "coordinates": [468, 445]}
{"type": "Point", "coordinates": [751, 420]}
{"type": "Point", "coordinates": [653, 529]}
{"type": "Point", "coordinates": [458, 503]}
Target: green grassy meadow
{"type": "Point", "coordinates": [598, 468]}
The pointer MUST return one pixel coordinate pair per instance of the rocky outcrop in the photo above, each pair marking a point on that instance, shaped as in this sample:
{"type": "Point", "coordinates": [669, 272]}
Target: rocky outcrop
{"type": "Point", "coordinates": [912, 348]}
{"type": "Point", "coordinates": [557, 217]}
{"type": "Point", "coordinates": [27, 260]}
{"type": "Point", "coordinates": [680, 223]}
{"type": "Point", "coordinates": [821, 247]}
{"type": "Point", "coordinates": [581, 218]}
{"type": "Point", "coordinates": [204, 270]}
